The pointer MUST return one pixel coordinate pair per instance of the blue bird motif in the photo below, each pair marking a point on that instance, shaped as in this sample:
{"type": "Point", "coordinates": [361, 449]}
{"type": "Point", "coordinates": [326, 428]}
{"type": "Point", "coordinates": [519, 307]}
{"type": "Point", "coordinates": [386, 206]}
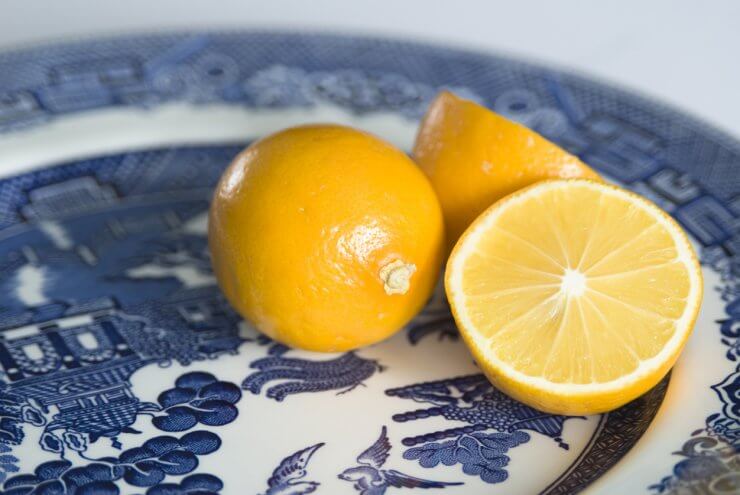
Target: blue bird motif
{"type": "Point", "coordinates": [286, 478]}
{"type": "Point", "coordinates": [369, 479]}
{"type": "Point", "coordinates": [295, 376]}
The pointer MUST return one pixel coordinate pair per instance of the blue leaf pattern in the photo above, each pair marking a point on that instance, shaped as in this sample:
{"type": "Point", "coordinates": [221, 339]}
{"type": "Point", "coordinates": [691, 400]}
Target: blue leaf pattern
{"type": "Point", "coordinates": [196, 484]}
{"type": "Point", "coordinates": [480, 454]}
{"type": "Point", "coordinates": [197, 398]}
{"type": "Point", "coordinates": [8, 462]}
{"type": "Point", "coordinates": [296, 376]}
{"type": "Point", "coordinates": [146, 466]}
{"type": "Point", "coordinates": [11, 416]}
{"type": "Point", "coordinates": [495, 424]}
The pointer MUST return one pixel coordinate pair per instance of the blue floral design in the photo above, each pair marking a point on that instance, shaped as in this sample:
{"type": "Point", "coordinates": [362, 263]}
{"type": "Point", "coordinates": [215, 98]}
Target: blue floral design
{"type": "Point", "coordinates": [75, 441]}
{"type": "Point", "coordinates": [11, 417]}
{"type": "Point", "coordinates": [51, 442]}
{"type": "Point", "coordinates": [143, 466]}
{"type": "Point", "coordinates": [709, 465]}
{"type": "Point", "coordinates": [8, 462]}
{"type": "Point", "coordinates": [730, 328]}
{"type": "Point", "coordinates": [710, 457]}
{"type": "Point", "coordinates": [195, 484]}
{"type": "Point", "coordinates": [296, 376]}
{"type": "Point", "coordinates": [481, 454]}
{"type": "Point", "coordinates": [32, 415]}
{"type": "Point", "coordinates": [197, 397]}
{"type": "Point", "coordinates": [495, 424]}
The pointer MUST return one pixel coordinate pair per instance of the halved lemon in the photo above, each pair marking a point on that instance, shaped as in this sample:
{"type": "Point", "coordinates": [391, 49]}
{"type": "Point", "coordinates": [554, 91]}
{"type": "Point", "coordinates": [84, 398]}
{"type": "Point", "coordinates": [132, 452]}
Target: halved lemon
{"type": "Point", "coordinates": [474, 157]}
{"type": "Point", "coordinates": [574, 296]}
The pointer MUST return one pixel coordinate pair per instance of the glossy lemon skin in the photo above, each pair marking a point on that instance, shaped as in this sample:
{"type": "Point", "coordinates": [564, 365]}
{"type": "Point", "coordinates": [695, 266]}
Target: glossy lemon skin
{"type": "Point", "coordinates": [304, 221]}
{"type": "Point", "coordinates": [474, 157]}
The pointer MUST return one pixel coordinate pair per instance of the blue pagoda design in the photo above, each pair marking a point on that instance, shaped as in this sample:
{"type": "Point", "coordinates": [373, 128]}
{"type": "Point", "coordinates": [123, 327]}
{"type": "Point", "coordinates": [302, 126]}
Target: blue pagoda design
{"type": "Point", "coordinates": [78, 360]}
{"type": "Point", "coordinates": [100, 288]}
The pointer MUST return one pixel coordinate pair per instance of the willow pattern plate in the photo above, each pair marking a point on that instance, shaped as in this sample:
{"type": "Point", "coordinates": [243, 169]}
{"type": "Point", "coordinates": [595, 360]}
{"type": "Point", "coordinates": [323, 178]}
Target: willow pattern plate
{"type": "Point", "coordinates": [125, 371]}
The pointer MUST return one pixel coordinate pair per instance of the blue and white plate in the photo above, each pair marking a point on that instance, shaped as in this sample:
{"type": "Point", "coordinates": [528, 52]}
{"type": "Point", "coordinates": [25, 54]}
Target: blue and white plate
{"type": "Point", "coordinates": [123, 370]}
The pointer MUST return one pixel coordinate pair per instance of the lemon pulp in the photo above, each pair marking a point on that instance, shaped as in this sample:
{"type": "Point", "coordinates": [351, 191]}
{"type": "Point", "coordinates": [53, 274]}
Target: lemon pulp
{"type": "Point", "coordinates": [575, 296]}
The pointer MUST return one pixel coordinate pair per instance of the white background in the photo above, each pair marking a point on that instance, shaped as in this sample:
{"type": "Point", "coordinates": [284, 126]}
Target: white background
{"type": "Point", "coordinates": [684, 52]}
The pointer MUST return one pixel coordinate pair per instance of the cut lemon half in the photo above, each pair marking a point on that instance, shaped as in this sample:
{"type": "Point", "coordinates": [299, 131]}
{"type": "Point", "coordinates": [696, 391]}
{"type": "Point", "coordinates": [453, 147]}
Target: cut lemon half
{"type": "Point", "coordinates": [474, 157]}
{"type": "Point", "coordinates": [574, 296]}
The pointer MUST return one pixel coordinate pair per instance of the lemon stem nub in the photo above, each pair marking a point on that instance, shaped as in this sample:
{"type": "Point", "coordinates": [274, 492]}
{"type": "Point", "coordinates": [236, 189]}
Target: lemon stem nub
{"type": "Point", "coordinates": [396, 276]}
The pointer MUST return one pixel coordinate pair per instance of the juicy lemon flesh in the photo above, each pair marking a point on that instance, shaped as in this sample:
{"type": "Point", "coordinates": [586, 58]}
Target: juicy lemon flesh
{"type": "Point", "coordinates": [572, 289]}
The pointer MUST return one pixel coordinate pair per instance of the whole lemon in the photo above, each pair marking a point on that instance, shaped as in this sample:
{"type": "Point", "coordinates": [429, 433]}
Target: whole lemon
{"type": "Point", "coordinates": [326, 238]}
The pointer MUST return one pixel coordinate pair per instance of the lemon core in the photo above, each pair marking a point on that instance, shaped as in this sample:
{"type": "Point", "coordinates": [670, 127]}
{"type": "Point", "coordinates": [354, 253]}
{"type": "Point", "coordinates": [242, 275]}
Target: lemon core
{"type": "Point", "coordinates": [573, 283]}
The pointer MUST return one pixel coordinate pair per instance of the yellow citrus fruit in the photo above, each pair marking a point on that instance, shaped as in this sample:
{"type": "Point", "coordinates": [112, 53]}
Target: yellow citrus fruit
{"type": "Point", "coordinates": [325, 237]}
{"type": "Point", "coordinates": [574, 296]}
{"type": "Point", "coordinates": [474, 157]}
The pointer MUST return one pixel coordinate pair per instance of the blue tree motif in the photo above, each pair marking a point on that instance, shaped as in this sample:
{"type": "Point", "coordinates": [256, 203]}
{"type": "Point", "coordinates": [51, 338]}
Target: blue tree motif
{"type": "Point", "coordinates": [480, 454]}
{"type": "Point", "coordinates": [51, 442]}
{"type": "Point", "coordinates": [707, 461]}
{"type": "Point", "coordinates": [710, 455]}
{"type": "Point", "coordinates": [710, 461]}
{"type": "Point", "coordinates": [195, 484]}
{"type": "Point", "coordinates": [75, 441]}
{"type": "Point", "coordinates": [147, 465]}
{"type": "Point", "coordinates": [730, 329]}
{"type": "Point", "coordinates": [726, 426]}
{"type": "Point", "coordinates": [143, 466]}
{"type": "Point", "coordinates": [495, 425]}
{"type": "Point", "coordinates": [11, 418]}
{"type": "Point", "coordinates": [8, 462]}
{"type": "Point", "coordinates": [296, 376]}
{"type": "Point", "coordinates": [197, 398]}
{"type": "Point", "coordinates": [15, 411]}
